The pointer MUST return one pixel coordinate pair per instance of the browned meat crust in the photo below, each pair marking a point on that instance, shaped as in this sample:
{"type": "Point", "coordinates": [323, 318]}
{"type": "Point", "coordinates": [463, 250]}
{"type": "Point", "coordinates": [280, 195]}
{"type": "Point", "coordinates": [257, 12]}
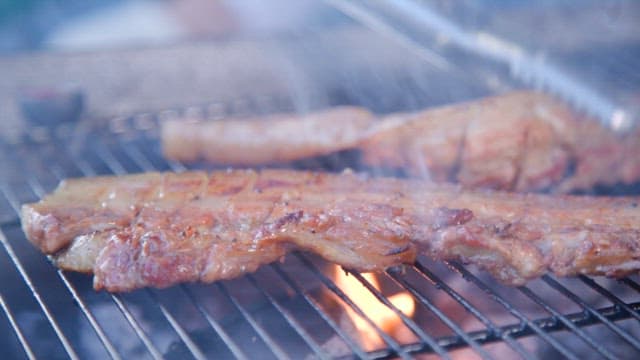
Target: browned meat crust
{"type": "Point", "coordinates": [272, 139]}
{"type": "Point", "coordinates": [522, 141]}
{"type": "Point", "coordinates": [160, 229]}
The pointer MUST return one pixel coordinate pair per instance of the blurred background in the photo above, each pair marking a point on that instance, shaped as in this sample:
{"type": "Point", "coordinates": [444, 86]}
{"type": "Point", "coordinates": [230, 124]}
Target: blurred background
{"type": "Point", "coordinates": [128, 56]}
{"type": "Point", "coordinates": [137, 55]}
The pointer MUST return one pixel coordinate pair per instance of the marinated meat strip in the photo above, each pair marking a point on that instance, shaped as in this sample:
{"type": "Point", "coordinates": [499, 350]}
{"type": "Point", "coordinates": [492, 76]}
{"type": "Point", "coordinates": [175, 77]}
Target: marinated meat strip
{"type": "Point", "coordinates": [271, 139]}
{"type": "Point", "coordinates": [479, 144]}
{"type": "Point", "coordinates": [159, 229]}
{"type": "Point", "coordinates": [522, 141]}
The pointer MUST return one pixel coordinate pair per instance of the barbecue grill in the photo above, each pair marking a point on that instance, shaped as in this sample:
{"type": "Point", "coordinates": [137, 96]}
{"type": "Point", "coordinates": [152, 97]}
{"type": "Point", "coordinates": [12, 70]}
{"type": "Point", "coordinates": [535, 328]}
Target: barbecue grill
{"type": "Point", "coordinates": [408, 55]}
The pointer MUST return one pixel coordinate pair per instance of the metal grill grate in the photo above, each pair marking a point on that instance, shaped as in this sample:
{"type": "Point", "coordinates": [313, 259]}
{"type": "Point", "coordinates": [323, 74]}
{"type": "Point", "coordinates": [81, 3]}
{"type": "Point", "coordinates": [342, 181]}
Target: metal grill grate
{"type": "Point", "coordinates": [285, 310]}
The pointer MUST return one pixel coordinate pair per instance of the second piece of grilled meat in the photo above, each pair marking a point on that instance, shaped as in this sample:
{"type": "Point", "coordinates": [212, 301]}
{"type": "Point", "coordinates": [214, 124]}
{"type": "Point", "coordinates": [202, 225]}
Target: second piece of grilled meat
{"type": "Point", "coordinates": [522, 141]}
{"type": "Point", "coordinates": [264, 140]}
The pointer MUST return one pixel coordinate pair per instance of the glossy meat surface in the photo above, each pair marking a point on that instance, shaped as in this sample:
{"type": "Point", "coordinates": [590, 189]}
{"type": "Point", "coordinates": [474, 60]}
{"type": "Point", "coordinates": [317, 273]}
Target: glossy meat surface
{"type": "Point", "coordinates": [161, 229]}
{"type": "Point", "coordinates": [271, 139]}
{"type": "Point", "coordinates": [520, 141]}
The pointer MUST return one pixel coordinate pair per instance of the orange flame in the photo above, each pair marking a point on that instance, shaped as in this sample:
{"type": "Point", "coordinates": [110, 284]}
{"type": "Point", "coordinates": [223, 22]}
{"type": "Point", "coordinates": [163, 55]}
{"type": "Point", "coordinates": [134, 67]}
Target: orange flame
{"type": "Point", "coordinates": [387, 320]}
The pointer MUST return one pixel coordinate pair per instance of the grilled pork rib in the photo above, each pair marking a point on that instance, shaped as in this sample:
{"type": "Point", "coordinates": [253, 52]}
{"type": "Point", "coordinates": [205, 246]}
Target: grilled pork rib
{"type": "Point", "coordinates": [161, 229]}
{"type": "Point", "coordinates": [271, 139]}
{"type": "Point", "coordinates": [523, 141]}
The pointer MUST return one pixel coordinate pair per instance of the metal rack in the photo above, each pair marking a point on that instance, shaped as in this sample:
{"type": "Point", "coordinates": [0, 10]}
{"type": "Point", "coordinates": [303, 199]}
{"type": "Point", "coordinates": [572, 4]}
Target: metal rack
{"type": "Point", "coordinates": [292, 309]}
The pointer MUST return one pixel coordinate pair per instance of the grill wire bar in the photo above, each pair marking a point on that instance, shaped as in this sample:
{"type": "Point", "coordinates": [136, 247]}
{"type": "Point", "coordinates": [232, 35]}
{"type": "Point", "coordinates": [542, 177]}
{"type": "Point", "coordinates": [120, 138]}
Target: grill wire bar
{"type": "Point", "coordinates": [492, 329]}
{"type": "Point", "coordinates": [630, 283]}
{"type": "Point", "coordinates": [442, 316]}
{"type": "Point", "coordinates": [36, 294]}
{"type": "Point", "coordinates": [155, 353]}
{"type": "Point", "coordinates": [511, 309]}
{"type": "Point", "coordinates": [356, 350]}
{"type": "Point", "coordinates": [92, 320]}
{"type": "Point", "coordinates": [87, 171]}
{"type": "Point", "coordinates": [290, 319]}
{"type": "Point", "coordinates": [593, 312]}
{"type": "Point", "coordinates": [186, 339]}
{"type": "Point", "coordinates": [264, 335]}
{"type": "Point", "coordinates": [233, 347]}
{"type": "Point", "coordinates": [41, 192]}
{"type": "Point", "coordinates": [617, 301]}
{"type": "Point", "coordinates": [428, 340]}
{"type": "Point", "coordinates": [566, 322]}
{"type": "Point", "coordinates": [16, 329]}
{"type": "Point", "coordinates": [336, 290]}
